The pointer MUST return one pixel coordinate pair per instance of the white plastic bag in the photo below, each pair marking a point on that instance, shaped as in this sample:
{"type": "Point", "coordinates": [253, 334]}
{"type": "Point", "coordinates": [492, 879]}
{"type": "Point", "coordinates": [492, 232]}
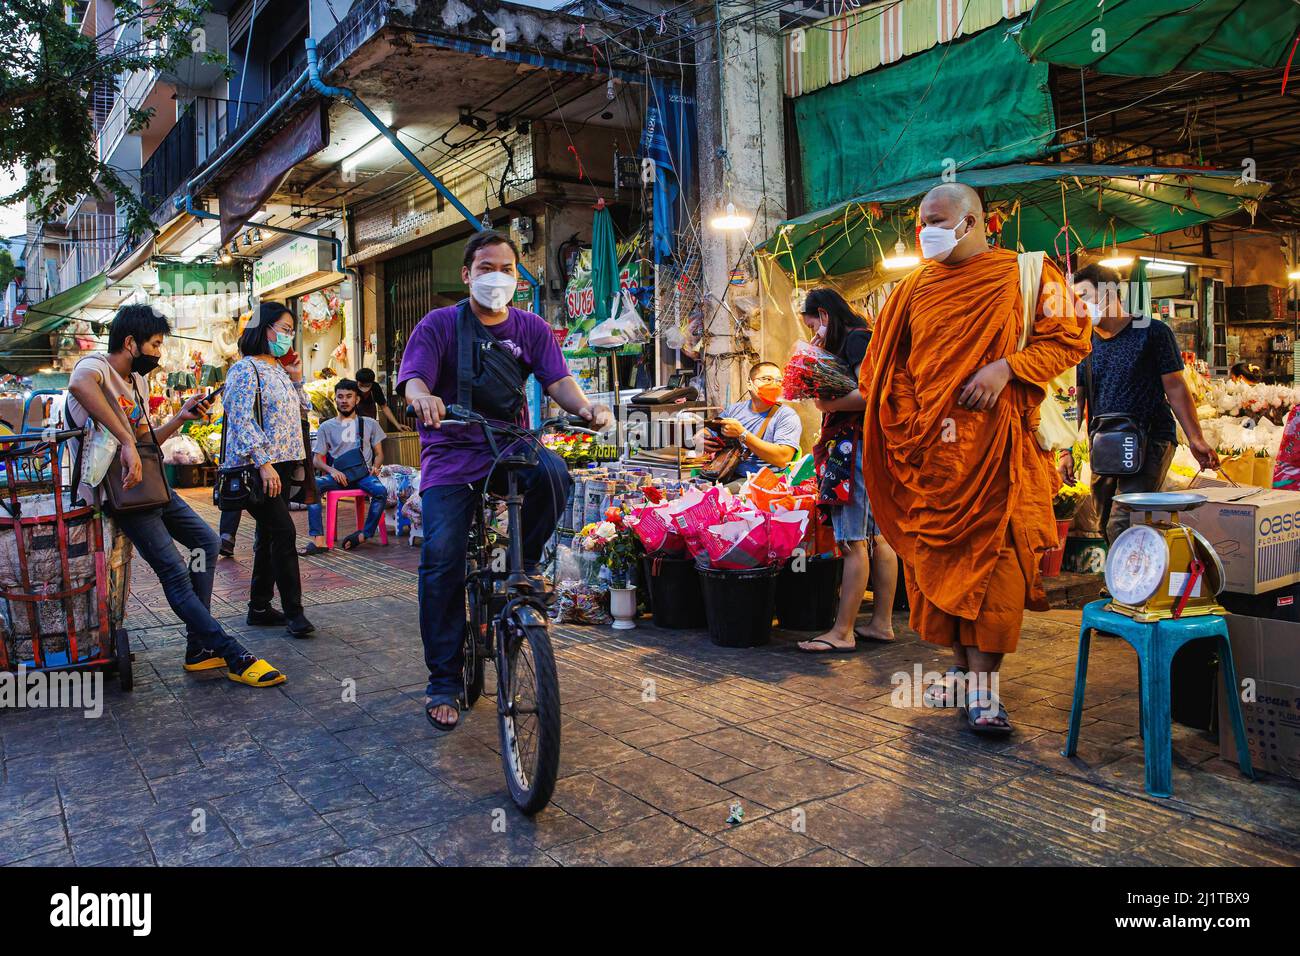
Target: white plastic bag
{"type": "Point", "coordinates": [100, 450]}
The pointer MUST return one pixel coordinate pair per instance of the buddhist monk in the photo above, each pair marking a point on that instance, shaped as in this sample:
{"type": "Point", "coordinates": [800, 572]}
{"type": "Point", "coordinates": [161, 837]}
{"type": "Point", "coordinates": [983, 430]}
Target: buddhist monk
{"type": "Point", "coordinates": [959, 484]}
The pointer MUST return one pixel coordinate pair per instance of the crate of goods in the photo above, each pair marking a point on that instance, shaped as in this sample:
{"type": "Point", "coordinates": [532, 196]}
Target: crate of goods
{"type": "Point", "coordinates": [402, 448]}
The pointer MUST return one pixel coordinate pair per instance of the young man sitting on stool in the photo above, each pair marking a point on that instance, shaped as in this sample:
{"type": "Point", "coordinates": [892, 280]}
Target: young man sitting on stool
{"type": "Point", "coordinates": [354, 447]}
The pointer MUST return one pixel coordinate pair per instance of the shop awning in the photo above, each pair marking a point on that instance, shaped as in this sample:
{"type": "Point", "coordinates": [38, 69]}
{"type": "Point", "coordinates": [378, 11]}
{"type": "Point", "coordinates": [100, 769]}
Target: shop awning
{"type": "Point", "coordinates": [1101, 205]}
{"type": "Point", "coordinates": [974, 102]}
{"type": "Point", "coordinates": [50, 314]}
{"type": "Point", "coordinates": [1155, 37]}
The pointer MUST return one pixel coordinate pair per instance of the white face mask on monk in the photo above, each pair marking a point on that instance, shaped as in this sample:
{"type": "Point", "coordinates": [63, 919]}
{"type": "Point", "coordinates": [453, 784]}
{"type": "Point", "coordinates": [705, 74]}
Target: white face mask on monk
{"type": "Point", "coordinates": [938, 242]}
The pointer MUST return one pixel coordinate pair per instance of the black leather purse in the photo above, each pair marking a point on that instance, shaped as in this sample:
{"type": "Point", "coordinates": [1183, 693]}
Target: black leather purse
{"type": "Point", "coordinates": [1116, 440]}
{"type": "Point", "coordinates": [240, 487]}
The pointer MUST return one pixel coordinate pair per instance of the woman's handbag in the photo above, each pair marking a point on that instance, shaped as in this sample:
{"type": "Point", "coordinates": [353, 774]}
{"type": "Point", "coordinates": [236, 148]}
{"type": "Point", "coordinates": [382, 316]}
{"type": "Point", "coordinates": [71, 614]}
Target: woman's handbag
{"type": "Point", "coordinates": [152, 491]}
{"type": "Point", "coordinates": [240, 487]}
{"type": "Point", "coordinates": [1117, 440]}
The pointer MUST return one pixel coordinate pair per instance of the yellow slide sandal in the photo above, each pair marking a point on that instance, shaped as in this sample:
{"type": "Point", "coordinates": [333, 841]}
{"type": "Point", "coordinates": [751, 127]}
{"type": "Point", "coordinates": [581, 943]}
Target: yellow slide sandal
{"type": "Point", "coordinates": [258, 674]}
{"type": "Point", "coordinates": [211, 663]}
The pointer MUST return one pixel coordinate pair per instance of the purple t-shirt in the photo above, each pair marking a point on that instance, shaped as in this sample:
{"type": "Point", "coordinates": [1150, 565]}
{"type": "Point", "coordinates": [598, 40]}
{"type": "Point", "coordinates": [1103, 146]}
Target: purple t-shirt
{"type": "Point", "coordinates": [458, 454]}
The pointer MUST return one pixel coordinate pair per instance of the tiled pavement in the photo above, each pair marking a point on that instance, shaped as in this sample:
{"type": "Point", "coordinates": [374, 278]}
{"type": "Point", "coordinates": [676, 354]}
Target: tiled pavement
{"type": "Point", "coordinates": [663, 732]}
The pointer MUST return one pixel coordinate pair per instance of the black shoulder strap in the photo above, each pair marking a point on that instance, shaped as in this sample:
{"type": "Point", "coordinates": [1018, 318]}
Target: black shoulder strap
{"type": "Point", "coordinates": [464, 355]}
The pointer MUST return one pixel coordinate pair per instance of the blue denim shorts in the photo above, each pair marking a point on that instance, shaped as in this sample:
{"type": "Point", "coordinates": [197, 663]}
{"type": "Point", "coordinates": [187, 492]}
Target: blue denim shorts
{"type": "Point", "coordinates": [853, 521]}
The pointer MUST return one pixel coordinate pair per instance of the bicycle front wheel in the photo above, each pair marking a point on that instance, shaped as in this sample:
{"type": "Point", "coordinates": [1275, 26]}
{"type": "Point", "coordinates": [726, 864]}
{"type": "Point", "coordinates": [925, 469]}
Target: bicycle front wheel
{"type": "Point", "coordinates": [528, 707]}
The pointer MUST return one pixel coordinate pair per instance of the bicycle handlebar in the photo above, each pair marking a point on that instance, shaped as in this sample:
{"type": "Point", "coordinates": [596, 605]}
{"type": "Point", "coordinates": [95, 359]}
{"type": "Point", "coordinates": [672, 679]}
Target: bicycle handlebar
{"type": "Point", "coordinates": [459, 415]}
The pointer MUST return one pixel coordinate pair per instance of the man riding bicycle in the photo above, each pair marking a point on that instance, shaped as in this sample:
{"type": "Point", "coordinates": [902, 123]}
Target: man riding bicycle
{"type": "Point", "coordinates": [484, 347]}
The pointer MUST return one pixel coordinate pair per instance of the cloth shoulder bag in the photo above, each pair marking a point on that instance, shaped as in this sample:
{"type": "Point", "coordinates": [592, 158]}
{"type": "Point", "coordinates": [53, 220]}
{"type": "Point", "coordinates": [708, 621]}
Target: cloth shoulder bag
{"type": "Point", "coordinates": [1117, 441]}
{"type": "Point", "coordinates": [722, 468]}
{"type": "Point", "coordinates": [239, 487]}
{"type": "Point", "coordinates": [353, 461]}
{"type": "Point", "coordinates": [152, 490]}
{"type": "Point", "coordinates": [489, 380]}
{"type": "Point", "coordinates": [1054, 432]}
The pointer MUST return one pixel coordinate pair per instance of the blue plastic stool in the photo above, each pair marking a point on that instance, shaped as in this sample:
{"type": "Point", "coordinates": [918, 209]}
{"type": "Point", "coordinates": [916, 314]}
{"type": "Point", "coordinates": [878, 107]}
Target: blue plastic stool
{"type": "Point", "coordinates": [1155, 644]}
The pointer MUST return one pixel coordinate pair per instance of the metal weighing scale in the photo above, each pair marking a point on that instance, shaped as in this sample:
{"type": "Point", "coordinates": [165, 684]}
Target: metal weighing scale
{"type": "Point", "coordinates": [1157, 570]}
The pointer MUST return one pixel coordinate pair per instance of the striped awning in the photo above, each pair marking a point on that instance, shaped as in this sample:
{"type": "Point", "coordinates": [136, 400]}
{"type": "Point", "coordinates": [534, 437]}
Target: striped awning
{"type": "Point", "coordinates": [837, 48]}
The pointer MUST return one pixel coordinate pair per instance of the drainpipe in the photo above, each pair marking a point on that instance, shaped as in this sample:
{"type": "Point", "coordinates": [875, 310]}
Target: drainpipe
{"type": "Point", "coordinates": [338, 92]}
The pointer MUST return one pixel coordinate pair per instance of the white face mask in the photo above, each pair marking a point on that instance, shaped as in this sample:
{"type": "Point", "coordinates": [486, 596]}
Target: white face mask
{"type": "Point", "coordinates": [938, 242]}
{"type": "Point", "coordinates": [493, 290]}
{"type": "Point", "coordinates": [1095, 312]}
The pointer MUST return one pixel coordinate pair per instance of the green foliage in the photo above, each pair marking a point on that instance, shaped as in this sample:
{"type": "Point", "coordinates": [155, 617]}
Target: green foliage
{"type": "Point", "coordinates": [48, 74]}
{"type": "Point", "coordinates": [7, 269]}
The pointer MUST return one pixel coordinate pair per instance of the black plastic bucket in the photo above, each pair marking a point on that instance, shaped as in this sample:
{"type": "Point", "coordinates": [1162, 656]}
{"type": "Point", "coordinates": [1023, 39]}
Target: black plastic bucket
{"type": "Point", "coordinates": [808, 600]}
{"type": "Point", "coordinates": [675, 599]}
{"type": "Point", "coordinates": [739, 605]}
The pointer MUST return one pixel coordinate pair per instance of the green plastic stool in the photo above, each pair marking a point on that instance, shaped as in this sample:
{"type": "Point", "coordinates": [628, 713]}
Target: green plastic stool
{"type": "Point", "coordinates": [1156, 643]}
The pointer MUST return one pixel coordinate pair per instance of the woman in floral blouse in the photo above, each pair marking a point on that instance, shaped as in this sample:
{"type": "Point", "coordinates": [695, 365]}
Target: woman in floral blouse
{"type": "Point", "coordinates": [1286, 472]}
{"type": "Point", "coordinates": [273, 442]}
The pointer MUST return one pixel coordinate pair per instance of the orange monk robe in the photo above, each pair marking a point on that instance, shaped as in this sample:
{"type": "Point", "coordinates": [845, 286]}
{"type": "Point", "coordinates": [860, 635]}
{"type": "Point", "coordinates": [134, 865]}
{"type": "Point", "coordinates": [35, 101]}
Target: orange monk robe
{"type": "Point", "coordinates": [965, 497]}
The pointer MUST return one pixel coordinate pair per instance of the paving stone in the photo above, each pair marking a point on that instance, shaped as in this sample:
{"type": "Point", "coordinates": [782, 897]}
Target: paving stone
{"type": "Point", "coordinates": [269, 815]}
{"type": "Point", "coordinates": [299, 849]}
{"type": "Point", "coordinates": [29, 839]}
{"type": "Point", "coordinates": [725, 857]}
{"type": "Point", "coordinates": [784, 786]}
{"type": "Point", "coordinates": [824, 857]}
{"type": "Point", "coordinates": [661, 785]}
{"type": "Point", "coordinates": [751, 748]}
{"type": "Point", "coordinates": [386, 773]}
{"type": "Point", "coordinates": [598, 804]}
{"type": "Point", "coordinates": [174, 841]}
{"type": "Point", "coordinates": [771, 840]}
{"type": "Point", "coordinates": [483, 837]}
{"type": "Point", "coordinates": [93, 847]}
{"type": "Point", "coordinates": [395, 851]}
{"type": "Point", "coordinates": [655, 841]}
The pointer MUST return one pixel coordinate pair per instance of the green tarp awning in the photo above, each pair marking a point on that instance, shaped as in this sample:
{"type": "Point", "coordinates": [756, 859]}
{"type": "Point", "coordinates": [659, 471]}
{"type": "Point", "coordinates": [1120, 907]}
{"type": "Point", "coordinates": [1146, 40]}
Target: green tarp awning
{"type": "Point", "coordinates": [973, 102]}
{"type": "Point", "coordinates": [1155, 37]}
{"type": "Point", "coordinates": [1102, 204]}
{"type": "Point", "coordinates": [50, 314]}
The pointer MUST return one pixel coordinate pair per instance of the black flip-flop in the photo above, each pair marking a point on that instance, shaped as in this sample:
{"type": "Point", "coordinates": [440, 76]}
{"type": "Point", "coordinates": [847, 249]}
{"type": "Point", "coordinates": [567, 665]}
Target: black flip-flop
{"type": "Point", "coordinates": [987, 707]}
{"type": "Point", "coordinates": [447, 700]}
{"type": "Point", "coordinates": [351, 541]}
{"type": "Point", "coordinates": [832, 649]}
{"type": "Point", "coordinates": [313, 548]}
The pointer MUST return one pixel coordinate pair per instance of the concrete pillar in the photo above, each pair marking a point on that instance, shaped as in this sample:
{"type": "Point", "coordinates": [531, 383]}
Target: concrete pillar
{"type": "Point", "coordinates": [741, 160]}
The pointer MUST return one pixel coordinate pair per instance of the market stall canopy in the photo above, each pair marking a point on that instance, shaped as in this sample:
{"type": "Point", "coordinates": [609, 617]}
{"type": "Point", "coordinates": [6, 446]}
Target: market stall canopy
{"type": "Point", "coordinates": [1101, 205]}
{"type": "Point", "coordinates": [974, 102]}
{"type": "Point", "coordinates": [1156, 37]}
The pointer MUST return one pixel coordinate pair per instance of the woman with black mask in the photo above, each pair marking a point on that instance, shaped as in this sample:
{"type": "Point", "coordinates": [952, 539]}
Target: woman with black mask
{"type": "Point", "coordinates": [841, 331]}
{"type": "Point", "coordinates": [264, 404]}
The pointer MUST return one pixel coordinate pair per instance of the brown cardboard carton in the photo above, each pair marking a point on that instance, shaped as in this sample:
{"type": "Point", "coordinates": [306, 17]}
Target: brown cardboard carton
{"type": "Point", "coordinates": [1256, 532]}
{"type": "Point", "coordinates": [1267, 656]}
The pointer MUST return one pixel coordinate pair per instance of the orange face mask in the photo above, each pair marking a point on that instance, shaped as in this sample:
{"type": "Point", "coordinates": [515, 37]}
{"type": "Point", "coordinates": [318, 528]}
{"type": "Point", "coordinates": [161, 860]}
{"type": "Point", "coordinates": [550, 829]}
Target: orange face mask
{"type": "Point", "coordinates": [768, 394]}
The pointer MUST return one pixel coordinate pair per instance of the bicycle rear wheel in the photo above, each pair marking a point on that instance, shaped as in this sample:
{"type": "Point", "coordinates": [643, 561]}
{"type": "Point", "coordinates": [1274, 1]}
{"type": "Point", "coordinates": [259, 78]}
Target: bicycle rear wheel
{"type": "Point", "coordinates": [528, 708]}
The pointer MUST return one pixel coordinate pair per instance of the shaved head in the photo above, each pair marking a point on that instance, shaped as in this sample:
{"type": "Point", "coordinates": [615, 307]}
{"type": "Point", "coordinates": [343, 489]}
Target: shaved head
{"type": "Point", "coordinates": [955, 206]}
{"type": "Point", "coordinates": [958, 197]}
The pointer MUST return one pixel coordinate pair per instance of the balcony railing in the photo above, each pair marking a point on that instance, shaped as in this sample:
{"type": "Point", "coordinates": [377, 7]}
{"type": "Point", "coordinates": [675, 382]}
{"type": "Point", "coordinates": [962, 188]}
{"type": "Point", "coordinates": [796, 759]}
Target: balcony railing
{"type": "Point", "coordinates": [93, 238]}
{"type": "Point", "coordinates": [198, 132]}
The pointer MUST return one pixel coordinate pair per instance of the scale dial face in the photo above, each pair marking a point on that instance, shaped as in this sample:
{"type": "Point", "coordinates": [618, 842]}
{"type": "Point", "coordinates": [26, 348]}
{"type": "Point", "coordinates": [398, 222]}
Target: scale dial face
{"type": "Point", "coordinates": [1136, 565]}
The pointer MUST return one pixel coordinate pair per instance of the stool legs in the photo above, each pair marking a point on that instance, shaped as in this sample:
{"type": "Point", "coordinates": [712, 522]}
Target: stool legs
{"type": "Point", "coordinates": [331, 517]}
{"type": "Point", "coordinates": [1233, 691]}
{"type": "Point", "coordinates": [1080, 680]}
{"type": "Point", "coordinates": [1157, 726]}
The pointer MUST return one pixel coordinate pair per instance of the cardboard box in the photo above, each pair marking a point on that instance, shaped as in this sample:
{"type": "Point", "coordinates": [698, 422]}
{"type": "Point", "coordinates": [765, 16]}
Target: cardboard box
{"type": "Point", "coordinates": [1256, 532]}
{"type": "Point", "coordinates": [1266, 652]}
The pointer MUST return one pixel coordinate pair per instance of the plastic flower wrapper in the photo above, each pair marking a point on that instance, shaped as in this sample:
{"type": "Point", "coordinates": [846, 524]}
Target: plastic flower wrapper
{"type": "Point", "coordinates": [813, 372]}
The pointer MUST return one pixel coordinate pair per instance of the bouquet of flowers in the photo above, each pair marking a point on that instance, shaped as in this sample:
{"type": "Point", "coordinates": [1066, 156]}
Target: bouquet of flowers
{"type": "Point", "coordinates": [576, 450]}
{"type": "Point", "coordinates": [1068, 499]}
{"type": "Point", "coordinates": [613, 544]}
{"type": "Point", "coordinates": [813, 372]}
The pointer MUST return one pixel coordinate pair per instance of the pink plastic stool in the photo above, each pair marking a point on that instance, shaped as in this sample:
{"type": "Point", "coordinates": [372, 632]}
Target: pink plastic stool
{"type": "Point", "coordinates": [362, 500]}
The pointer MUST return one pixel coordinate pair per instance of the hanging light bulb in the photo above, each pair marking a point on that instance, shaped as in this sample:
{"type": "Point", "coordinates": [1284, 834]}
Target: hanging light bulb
{"type": "Point", "coordinates": [257, 236]}
{"type": "Point", "coordinates": [1115, 260]}
{"type": "Point", "coordinates": [731, 220]}
{"type": "Point", "coordinates": [248, 239]}
{"type": "Point", "coordinates": [901, 259]}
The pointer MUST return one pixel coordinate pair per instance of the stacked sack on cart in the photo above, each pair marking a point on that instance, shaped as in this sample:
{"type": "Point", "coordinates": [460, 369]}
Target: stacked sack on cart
{"type": "Point", "coordinates": [33, 568]}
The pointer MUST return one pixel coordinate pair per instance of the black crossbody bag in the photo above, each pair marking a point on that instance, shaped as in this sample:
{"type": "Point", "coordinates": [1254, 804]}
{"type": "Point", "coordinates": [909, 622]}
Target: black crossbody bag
{"type": "Point", "coordinates": [1116, 440]}
{"type": "Point", "coordinates": [240, 488]}
{"type": "Point", "coordinates": [489, 380]}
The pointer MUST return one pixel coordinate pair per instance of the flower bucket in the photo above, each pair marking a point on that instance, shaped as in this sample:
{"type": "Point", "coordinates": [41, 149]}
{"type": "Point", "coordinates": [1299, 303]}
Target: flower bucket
{"type": "Point", "coordinates": [1050, 563]}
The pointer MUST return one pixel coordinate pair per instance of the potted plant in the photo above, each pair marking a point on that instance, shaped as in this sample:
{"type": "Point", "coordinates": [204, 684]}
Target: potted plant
{"type": "Point", "coordinates": [614, 547]}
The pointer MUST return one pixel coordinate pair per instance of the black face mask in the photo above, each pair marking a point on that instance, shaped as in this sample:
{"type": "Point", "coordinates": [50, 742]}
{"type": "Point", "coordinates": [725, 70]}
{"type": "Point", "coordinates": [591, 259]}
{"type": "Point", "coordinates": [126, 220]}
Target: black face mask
{"type": "Point", "coordinates": [144, 364]}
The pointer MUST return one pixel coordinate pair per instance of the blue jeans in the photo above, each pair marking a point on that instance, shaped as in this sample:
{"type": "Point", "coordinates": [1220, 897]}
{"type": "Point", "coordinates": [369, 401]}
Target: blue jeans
{"type": "Point", "coordinates": [447, 512]}
{"type": "Point", "coordinates": [369, 484]}
{"type": "Point", "coordinates": [186, 579]}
